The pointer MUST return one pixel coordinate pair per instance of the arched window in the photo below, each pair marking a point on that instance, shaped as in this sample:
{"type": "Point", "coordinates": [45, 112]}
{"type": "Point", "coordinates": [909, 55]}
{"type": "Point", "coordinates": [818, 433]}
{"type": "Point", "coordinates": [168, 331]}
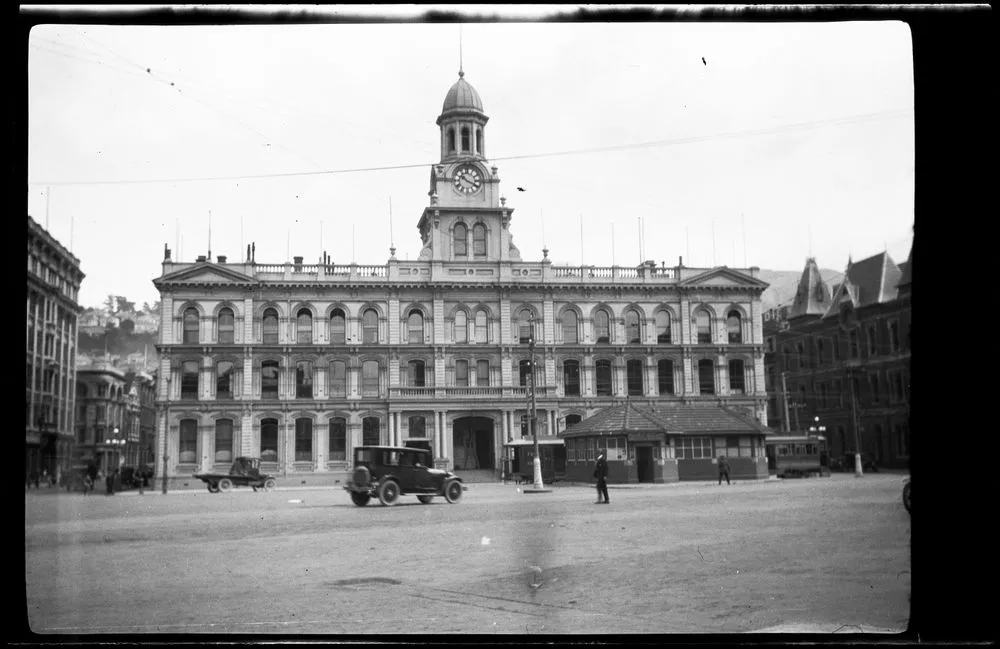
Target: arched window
{"type": "Point", "coordinates": [663, 327]}
{"type": "Point", "coordinates": [338, 379]}
{"type": "Point", "coordinates": [303, 380]}
{"type": "Point", "coordinates": [737, 382]}
{"type": "Point", "coordinates": [479, 141]}
{"type": "Point", "coordinates": [369, 378]}
{"type": "Point", "coordinates": [370, 434]}
{"type": "Point", "coordinates": [524, 370]}
{"type": "Point", "coordinates": [466, 143]}
{"type": "Point", "coordinates": [269, 440]}
{"type": "Point", "coordinates": [223, 440]}
{"type": "Point", "coordinates": [338, 439]}
{"type": "Point", "coordinates": [706, 376]}
{"type": "Point", "coordinates": [304, 327]}
{"type": "Point", "coordinates": [602, 326]}
{"type": "Point", "coordinates": [338, 327]}
{"type": "Point", "coordinates": [602, 375]}
{"type": "Point", "coordinates": [415, 374]}
{"type": "Point", "coordinates": [191, 320]}
{"type": "Point", "coordinates": [703, 324]}
{"type": "Point", "coordinates": [734, 327]}
{"type": "Point", "coordinates": [524, 326]}
{"type": "Point", "coordinates": [415, 328]}
{"type": "Point", "coordinates": [451, 139]}
{"type": "Point", "coordinates": [224, 380]}
{"type": "Point", "coordinates": [303, 439]}
{"type": "Point", "coordinates": [189, 380]}
{"type": "Point", "coordinates": [461, 244]}
{"type": "Point", "coordinates": [462, 374]}
{"type": "Point", "coordinates": [665, 376]}
{"type": "Point", "coordinates": [632, 329]}
{"type": "Point", "coordinates": [369, 326]}
{"type": "Point", "coordinates": [569, 328]}
{"type": "Point", "coordinates": [571, 378]}
{"type": "Point", "coordinates": [227, 327]}
{"type": "Point", "coordinates": [188, 442]}
{"type": "Point", "coordinates": [483, 373]}
{"type": "Point", "coordinates": [633, 374]}
{"type": "Point", "coordinates": [270, 327]}
{"type": "Point", "coordinates": [269, 380]}
{"type": "Point", "coordinates": [482, 331]}
{"type": "Point", "coordinates": [479, 240]}
{"type": "Point", "coordinates": [460, 331]}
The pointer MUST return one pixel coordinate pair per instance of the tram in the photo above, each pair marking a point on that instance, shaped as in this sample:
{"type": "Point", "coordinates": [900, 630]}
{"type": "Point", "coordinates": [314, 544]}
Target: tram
{"type": "Point", "coordinates": [797, 456]}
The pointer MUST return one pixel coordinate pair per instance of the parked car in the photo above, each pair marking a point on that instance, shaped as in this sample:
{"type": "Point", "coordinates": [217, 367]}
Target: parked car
{"type": "Point", "coordinates": [846, 463]}
{"type": "Point", "coordinates": [906, 494]}
{"type": "Point", "coordinates": [388, 472]}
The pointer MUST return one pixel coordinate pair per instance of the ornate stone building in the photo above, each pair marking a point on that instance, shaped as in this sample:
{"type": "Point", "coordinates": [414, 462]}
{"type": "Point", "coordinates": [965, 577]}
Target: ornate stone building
{"type": "Point", "coordinates": [50, 345]}
{"type": "Point", "coordinates": [298, 363]}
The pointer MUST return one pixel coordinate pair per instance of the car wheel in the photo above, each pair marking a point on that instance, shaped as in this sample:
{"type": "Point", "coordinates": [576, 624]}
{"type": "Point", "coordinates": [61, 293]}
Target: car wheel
{"type": "Point", "coordinates": [425, 499]}
{"type": "Point", "coordinates": [269, 484]}
{"type": "Point", "coordinates": [360, 499]}
{"type": "Point", "coordinates": [225, 485]}
{"type": "Point", "coordinates": [254, 488]}
{"type": "Point", "coordinates": [906, 497]}
{"type": "Point", "coordinates": [213, 487]}
{"type": "Point", "coordinates": [388, 493]}
{"type": "Point", "coordinates": [453, 491]}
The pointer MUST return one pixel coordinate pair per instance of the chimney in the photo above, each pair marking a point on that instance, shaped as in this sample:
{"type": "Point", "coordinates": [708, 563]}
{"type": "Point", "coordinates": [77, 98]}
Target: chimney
{"type": "Point", "coordinates": [221, 258]}
{"type": "Point", "coordinates": [298, 264]}
{"type": "Point", "coordinates": [201, 258]}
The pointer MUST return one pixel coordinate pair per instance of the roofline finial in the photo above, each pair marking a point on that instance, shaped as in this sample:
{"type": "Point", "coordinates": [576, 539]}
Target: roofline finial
{"type": "Point", "coordinates": [461, 72]}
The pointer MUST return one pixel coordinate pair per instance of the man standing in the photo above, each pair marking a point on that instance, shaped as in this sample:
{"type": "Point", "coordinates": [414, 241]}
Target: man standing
{"type": "Point", "coordinates": [601, 473]}
{"type": "Point", "coordinates": [723, 468]}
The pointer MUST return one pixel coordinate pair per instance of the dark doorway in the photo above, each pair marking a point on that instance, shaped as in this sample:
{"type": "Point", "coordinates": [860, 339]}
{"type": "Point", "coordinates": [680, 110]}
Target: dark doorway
{"type": "Point", "coordinates": [644, 463]}
{"type": "Point", "coordinates": [473, 444]}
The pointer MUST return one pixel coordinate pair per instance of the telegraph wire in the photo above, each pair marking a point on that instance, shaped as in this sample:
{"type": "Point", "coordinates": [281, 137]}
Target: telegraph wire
{"type": "Point", "coordinates": [622, 147]}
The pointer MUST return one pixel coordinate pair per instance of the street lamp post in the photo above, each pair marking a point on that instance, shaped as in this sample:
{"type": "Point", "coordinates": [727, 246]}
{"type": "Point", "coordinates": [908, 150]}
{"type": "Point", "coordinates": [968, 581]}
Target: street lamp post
{"type": "Point", "coordinates": [533, 414]}
{"type": "Point", "coordinates": [857, 438]}
{"type": "Point", "coordinates": [166, 431]}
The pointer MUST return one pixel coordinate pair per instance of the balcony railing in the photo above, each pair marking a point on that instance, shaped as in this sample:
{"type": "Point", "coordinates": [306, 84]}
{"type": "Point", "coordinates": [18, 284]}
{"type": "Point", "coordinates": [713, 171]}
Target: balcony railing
{"type": "Point", "coordinates": [513, 392]}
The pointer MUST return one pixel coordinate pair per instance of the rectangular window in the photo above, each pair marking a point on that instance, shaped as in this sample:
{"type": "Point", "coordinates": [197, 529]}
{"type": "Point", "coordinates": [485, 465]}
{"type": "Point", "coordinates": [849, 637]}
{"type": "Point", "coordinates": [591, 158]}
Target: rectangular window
{"type": "Point", "coordinates": [224, 440]}
{"type": "Point", "coordinates": [303, 440]}
{"type": "Point", "coordinates": [894, 336]}
{"type": "Point", "coordinates": [665, 376]}
{"type": "Point", "coordinates": [462, 374]}
{"type": "Point", "coordinates": [189, 380]}
{"type": "Point", "coordinates": [633, 374]}
{"type": "Point", "coordinates": [854, 344]}
{"type": "Point", "coordinates": [872, 341]}
{"type": "Point", "coordinates": [369, 378]}
{"type": "Point", "coordinates": [694, 448]}
{"type": "Point", "coordinates": [571, 378]}
{"type": "Point", "coordinates": [303, 380]}
{"type": "Point", "coordinates": [875, 388]}
{"type": "Point", "coordinates": [603, 375]}
{"type": "Point", "coordinates": [746, 447]}
{"type": "Point", "coordinates": [269, 380]}
{"type": "Point", "coordinates": [822, 395]}
{"type": "Point", "coordinates": [338, 440]}
{"type": "Point", "coordinates": [481, 327]}
{"type": "Point", "coordinates": [737, 380]}
{"type": "Point", "coordinates": [483, 374]}
{"type": "Point", "coordinates": [338, 379]}
{"type": "Point", "coordinates": [838, 389]}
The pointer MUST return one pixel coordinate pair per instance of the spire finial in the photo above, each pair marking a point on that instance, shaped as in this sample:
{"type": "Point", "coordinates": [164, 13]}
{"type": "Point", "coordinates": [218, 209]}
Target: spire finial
{"type": "Point", "coordinates": [461, 72]}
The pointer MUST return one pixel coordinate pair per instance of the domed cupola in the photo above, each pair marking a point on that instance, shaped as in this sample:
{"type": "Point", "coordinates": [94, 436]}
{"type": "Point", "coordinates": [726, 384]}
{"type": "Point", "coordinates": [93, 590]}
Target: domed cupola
{"type": "Point", "coordinates": [462, 123]}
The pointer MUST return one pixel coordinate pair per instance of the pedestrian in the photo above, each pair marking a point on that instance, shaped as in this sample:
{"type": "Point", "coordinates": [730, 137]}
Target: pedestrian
{"type": "Point", "coordinates": [109, 483]}
{"type": "Point", "coordinates": [45, 477]}
{"type": "Point", "coordinates": [601, 473]}
{"type": "Point", "coordinates": [723, 469]}
{"type": "Point", "coordinates": [88, 484]}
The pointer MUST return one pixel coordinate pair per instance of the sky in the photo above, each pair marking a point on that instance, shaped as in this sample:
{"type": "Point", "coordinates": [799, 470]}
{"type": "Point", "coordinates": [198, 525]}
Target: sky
{"type": "Point", "coordinates": [732, 144]}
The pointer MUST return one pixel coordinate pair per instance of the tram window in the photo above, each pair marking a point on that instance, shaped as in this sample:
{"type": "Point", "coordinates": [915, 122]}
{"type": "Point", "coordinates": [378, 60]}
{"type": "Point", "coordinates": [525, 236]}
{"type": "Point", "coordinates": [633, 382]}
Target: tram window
{"type": "Point", "coordinates": [811, 449]}
{"type": "Point", "coordinates": [782, 449]}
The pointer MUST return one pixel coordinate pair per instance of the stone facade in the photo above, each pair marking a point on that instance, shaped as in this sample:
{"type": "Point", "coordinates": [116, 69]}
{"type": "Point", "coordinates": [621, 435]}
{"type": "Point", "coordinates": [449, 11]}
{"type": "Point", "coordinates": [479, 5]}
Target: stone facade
{"type": "Point", "coordinates": [298, 363]}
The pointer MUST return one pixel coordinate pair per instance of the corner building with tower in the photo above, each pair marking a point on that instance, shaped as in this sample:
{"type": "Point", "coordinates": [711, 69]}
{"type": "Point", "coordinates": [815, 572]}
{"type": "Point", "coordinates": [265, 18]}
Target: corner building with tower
{"type": "Point", "coordinates": [299, 363]}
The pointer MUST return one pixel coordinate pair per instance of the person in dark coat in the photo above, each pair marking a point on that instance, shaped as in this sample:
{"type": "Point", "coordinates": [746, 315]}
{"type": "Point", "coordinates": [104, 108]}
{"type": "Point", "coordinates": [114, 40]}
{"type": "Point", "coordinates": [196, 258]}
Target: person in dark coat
{"type": "Point", "coordinates": [723, 469]}
{"type": "Point", "coordinates": [601, 473]}
{"type": "Point", "coordinates": [109, 483]}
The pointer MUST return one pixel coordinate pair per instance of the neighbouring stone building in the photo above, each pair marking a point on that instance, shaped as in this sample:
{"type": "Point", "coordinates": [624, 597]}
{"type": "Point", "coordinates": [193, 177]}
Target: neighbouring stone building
{"type": "Point", "coordinates": [845, 358]}
{"type": "Point", "coordinates": [298, 363]}
{"type": "Point", "coordinates": [54, 279]}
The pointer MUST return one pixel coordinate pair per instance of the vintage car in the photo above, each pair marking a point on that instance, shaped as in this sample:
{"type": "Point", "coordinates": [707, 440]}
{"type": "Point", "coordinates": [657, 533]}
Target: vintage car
{"type": "Point", "coordinates": [388, 472]}
{"type": "Point", "coordinates": [245, 472]}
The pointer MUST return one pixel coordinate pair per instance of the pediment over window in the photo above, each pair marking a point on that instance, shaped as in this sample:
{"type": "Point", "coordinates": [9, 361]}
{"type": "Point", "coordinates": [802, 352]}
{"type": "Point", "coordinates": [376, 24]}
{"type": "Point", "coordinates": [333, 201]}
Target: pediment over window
{"type": "Point", "coordinates": [204, 273]}
{"type": "Point", "coordinates": [723, 277]}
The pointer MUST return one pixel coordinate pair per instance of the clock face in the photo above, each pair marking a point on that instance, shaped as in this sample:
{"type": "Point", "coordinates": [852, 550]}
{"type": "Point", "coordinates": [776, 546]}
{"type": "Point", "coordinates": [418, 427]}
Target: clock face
{"type": "Point", "coordinates": [468, 180]}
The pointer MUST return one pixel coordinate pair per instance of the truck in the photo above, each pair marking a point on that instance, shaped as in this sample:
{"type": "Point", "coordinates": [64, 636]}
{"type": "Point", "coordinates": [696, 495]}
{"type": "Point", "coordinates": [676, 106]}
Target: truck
{"type": "Point", "coordinates": [245, 472]}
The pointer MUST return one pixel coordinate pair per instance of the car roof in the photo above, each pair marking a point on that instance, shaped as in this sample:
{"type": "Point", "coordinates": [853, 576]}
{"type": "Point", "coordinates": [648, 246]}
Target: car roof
{"type": "Point", "coordinates": [393, 448]}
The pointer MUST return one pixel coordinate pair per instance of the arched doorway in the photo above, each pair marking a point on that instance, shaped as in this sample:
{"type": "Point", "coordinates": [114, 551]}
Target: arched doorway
{"type": "Point", "coordinates": [473, 444]}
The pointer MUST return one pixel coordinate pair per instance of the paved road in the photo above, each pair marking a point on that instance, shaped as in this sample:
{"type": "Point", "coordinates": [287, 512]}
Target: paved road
{"type": "Point", "coordinates": [828, 554]}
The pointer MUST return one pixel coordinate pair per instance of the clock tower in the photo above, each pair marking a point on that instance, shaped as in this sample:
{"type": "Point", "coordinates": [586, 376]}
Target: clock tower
{"type": "Point", "coordinates": [466, 219]}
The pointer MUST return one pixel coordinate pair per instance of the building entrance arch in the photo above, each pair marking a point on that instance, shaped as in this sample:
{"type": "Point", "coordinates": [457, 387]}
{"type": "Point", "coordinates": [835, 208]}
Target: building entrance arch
{"type": "Point", "coordinates": [473, 442]}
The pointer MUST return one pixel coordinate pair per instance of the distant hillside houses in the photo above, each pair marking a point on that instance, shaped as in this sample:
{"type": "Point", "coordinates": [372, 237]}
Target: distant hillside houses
{"type": "Point", "coordinates": [136, 362]}
{"type": "Point", "coordinates": [95, 321]}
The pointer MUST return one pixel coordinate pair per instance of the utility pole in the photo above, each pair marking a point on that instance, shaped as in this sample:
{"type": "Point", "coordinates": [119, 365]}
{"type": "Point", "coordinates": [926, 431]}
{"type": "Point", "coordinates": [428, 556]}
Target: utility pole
{"type": "Point", "coordinates": [796, 405]}
{"type": "Point", "coordinates": [784, 399]}
{"type": "Point", "coordinates": [533, 406]}
{"type": "Point", "coordinates": [854, 420]}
